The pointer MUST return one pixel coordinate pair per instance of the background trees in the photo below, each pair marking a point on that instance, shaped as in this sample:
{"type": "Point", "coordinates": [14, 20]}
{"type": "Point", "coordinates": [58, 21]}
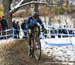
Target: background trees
{"type": "Point", "coordinates": [57, 7]}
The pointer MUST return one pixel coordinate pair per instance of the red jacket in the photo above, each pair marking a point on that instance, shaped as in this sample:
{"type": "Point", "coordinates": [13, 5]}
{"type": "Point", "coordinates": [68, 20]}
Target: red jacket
{"type": "Point", "coordinates": [0, 26]}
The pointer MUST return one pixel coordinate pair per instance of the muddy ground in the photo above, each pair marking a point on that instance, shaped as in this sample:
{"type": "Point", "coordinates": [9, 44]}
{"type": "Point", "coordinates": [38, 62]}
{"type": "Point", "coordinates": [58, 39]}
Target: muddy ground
{"type": "Point", "coordinates": [16, 53]}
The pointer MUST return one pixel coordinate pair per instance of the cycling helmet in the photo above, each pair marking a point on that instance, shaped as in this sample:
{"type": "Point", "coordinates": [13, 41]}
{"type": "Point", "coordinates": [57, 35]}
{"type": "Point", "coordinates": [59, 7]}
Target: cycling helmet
{"type": "Point", "coordinates": [35, 15]}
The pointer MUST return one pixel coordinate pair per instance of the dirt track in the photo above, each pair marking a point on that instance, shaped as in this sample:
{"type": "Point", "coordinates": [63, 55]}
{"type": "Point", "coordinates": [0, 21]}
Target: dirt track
{"type": "Point", "coordinates": [16, 54]}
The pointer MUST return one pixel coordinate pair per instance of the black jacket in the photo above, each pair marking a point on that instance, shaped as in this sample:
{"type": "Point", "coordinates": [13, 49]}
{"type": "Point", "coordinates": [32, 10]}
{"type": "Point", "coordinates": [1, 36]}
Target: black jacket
{"type": "Point", "coordinates": [4, 24]}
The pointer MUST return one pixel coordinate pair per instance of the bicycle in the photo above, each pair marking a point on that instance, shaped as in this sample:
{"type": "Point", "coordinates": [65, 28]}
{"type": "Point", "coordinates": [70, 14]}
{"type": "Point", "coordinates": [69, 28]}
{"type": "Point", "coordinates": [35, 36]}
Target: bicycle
{"type": "Point", "coordinates": [35, 46]}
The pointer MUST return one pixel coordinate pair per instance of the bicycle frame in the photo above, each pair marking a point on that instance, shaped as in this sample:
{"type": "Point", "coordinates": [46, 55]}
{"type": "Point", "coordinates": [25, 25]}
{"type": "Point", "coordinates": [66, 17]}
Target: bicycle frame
{"type": "Point", "coordinates": [35, 41]}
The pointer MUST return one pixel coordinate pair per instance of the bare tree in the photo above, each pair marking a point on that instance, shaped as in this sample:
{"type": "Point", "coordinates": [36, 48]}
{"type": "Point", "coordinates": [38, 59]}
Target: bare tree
{"type": "Point", "coordinates": [8, 16]}
{"type": "Point", "coordinates": [7, 8]}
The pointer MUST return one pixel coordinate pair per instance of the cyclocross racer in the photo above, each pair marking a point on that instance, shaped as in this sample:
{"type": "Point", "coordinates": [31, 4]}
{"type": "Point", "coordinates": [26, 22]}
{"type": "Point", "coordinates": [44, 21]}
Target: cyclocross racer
{"type": "Point", "coordinates": [32, 21]}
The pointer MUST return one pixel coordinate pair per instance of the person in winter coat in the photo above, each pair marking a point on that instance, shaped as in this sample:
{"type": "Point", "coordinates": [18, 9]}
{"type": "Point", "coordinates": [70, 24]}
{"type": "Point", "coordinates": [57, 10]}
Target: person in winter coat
{"type": "Point", "coordinates": [4, 23]}
{"type": "Point", "coordinates": [24, 28]}
{"type": "Point", "coordinates": [0, 24]}
{"type": "Point", "coordinates": [17, 29]}
{"type": "Point", "coordinates": [4, 26]}
{"type": "Point", "coordinates": [0, 27]}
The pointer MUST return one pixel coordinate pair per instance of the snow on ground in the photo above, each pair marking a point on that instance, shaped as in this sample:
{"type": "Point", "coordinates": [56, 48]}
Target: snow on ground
{"type": "Point", "coordinates": [60, 51]}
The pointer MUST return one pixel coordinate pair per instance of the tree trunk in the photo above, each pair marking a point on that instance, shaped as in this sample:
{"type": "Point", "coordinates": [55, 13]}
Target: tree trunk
{"type": "Point", "coordinates": [8, 16]}
{"type": "Point", "coordinates": [36, 7]}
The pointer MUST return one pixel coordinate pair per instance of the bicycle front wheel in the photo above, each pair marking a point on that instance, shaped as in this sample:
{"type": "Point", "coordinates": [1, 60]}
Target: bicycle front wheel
{"type": "Point", "coordinates": [37, 49]}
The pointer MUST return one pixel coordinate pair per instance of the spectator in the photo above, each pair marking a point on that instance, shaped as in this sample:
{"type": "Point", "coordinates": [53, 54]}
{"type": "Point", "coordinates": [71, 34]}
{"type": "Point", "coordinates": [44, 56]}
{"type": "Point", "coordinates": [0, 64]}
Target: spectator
{"type": "Point", "coordinates": [0, 28]}
{"type": "Point", "coordinates": [4, 26]}
{"type": "Point", "coordinates": [24, 28]}
{"type": "Point", "coordinates": [0, 24]}
{"type": "Point", "coordinates": [53, 32]}
{"type": "Point", "coordinates": [14, 25]}
{"type": "Point", "coordinates": [60, 32]}
{"type": "Point", "coordinates": [65, 31]}
{"type": "Point", "coordinates": [17, 29]}
{"type": "Point", "coordinates": [4, 23]}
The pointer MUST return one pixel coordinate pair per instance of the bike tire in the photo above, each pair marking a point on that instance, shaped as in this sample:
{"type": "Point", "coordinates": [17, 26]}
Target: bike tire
{"type": "Point", "coordinates": [37, 49]}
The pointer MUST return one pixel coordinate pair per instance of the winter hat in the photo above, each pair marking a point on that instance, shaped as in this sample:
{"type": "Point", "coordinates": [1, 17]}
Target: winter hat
{"type": "Point", "coordinates": [35, 15]}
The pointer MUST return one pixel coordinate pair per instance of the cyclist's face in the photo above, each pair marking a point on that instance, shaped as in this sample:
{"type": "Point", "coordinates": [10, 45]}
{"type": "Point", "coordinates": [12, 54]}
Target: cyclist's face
{"type": "Point", "coordinates": [35, 18]}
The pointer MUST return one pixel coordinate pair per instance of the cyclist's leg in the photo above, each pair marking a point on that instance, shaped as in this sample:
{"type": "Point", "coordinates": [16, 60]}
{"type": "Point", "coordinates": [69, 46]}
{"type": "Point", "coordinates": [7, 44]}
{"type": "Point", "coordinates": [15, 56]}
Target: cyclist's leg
{"type": "Point", "coordinates": [30, 35]}
{"type": "Point", "coordinates": [29, 43]}
{"type": "Point", "coordinates": [29, 40]}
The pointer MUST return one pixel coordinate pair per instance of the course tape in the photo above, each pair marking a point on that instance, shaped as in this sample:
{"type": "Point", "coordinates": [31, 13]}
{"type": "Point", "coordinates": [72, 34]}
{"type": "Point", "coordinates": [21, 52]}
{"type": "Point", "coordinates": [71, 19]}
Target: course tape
{"type": "Point", "coordinates": [61, 44]}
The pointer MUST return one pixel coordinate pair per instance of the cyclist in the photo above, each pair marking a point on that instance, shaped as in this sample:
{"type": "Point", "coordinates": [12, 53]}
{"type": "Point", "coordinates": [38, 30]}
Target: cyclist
{"type": "Point", "coordinates": [32, 20]}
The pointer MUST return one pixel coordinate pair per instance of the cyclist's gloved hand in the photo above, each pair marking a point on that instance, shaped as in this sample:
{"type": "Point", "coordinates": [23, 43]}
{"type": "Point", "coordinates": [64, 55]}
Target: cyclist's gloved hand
{"type": "Point", "coordinates": [44, 30]}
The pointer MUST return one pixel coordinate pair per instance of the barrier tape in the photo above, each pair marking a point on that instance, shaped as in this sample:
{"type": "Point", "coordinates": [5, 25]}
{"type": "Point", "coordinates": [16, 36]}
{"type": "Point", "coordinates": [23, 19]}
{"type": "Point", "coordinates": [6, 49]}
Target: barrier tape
{"type": "Point", "coordinates": [61, 44]}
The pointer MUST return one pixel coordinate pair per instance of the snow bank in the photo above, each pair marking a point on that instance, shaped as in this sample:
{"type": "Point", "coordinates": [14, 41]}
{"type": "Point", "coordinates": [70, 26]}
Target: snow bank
{"type": "Point", "coordinates": [62, 49]}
